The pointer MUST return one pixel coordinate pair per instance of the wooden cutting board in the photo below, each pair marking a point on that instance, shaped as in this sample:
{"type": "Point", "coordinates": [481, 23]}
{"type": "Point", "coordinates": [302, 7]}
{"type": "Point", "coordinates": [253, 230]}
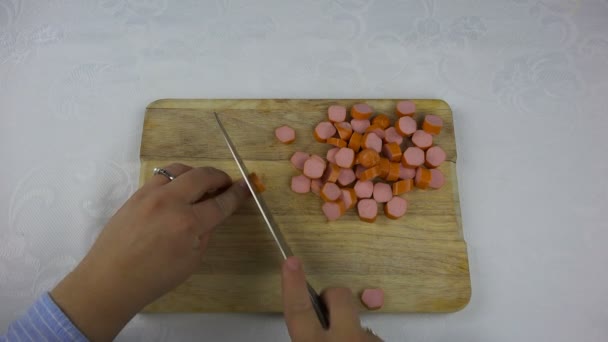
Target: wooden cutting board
{"type": "Point", "coordinates": [419, 260]}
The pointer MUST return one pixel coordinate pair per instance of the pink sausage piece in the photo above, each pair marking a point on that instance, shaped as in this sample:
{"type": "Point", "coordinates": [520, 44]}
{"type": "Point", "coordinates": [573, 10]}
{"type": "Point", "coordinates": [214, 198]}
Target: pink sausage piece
{"type": "Point", "coordinates": [374, 142]}
{"type": "Point", "coordinates": [367, 209]}
{"type": "Point", "coordinates": [285, 134]}
{"type": "Point", "coordinates": [346, 198]}
{"type": "Point", "coordinates": [391, 135]}
{"type": "Point", "coordinates": [330, 192]}
{"type": "Point", "coordinates": [432, 124]}
{"type": "Point", "coordinates": [412, 157]}
{"type": "Point", "coordinates": [346, 177]}
{"type": "Point", "coordinates": [359, 170]}
{"type": "Point", "coordinates": [315, 186]}
{"type": "Point", "coordinates": [336, 113]}
{"type": "Point", "coordinates": [396, 207]}
{"type": "Point", "coordinates": [406, 173]}
{"type": "Point", "coordinates": [300, 184]}
{"type": "Point", "coordinates": [382, 192]}
{"type": "Point", "coordinates": [373, 298]}
{"type": "Point", "coordinates": [407, 125]}
{"type": "Point", "coordinates": [345, 157]}
{"type": "Point", "coordinates": [364, 189]}
{"type": "Point", "coordinates": [434, 157]}
{"type": "Point", "coordinates": [325, 130]}
{"type": "Point", "coordinates": [331, 154]}
{"type": "Point", "coordinates": [422, 139]}
{"type": "Point", "coordinates": [314, 167]}
{"type": "Point", "coordinates": [332, 210]}
{"type": "Point", "coordinates": [437, 179]}
{"type": "Point", "coordinates": [359, 126]}
{"type": "Point", "coordinates": [298, 159]}
{"type": "Point", "coordinates": [379, 132]}
{"type": "Point", "coordinates": [406, 108]}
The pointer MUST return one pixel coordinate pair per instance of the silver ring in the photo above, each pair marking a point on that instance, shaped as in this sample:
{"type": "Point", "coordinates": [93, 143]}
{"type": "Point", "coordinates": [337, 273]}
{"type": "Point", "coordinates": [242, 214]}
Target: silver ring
{"type": "Point", "coordinates": [161, 171]}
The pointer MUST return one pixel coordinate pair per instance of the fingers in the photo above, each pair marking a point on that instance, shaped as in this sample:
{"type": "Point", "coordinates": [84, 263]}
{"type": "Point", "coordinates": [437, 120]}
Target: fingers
{"type": "Point", "coordinates": [302, 321]}
{"type": "Point", "coordinates": [214, 210]}
{"type": "Point", "coordinates": [175, 169]}
{"type": "Point", "coordinates": [192, 185]}
{"type": "Point", "coordinates": [342, 310]}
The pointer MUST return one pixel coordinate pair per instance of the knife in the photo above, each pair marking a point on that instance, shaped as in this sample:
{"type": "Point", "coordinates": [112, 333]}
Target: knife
{"type": "Point", "coordinates": [317, 303]}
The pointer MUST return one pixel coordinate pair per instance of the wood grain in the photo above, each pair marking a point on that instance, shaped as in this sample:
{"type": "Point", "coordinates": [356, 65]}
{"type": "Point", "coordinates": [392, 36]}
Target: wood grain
{"type": "Point", "coordinates": [420, 260]}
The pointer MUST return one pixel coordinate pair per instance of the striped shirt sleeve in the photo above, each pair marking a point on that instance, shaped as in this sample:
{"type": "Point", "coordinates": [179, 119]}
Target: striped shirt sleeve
{"type": "Point", "coordinates": [44, 321]}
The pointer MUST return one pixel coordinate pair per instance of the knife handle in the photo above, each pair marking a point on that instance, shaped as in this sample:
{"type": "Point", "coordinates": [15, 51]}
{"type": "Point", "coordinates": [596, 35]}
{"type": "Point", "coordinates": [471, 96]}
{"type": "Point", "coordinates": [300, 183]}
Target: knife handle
{"type": "Point", "coordinates": [319, 305]}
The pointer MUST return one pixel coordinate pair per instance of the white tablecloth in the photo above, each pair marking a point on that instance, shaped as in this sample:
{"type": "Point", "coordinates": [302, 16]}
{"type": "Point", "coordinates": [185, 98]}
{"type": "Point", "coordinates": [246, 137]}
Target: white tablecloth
{"type": "Point", "coordinates": [527, 81]}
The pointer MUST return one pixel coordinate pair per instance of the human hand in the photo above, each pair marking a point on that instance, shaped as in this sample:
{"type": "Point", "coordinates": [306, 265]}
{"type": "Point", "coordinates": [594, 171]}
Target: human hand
{"type": "Point", "coordinates": [151, 245]}
{"type": "Point", "coordinates": [302, 322]}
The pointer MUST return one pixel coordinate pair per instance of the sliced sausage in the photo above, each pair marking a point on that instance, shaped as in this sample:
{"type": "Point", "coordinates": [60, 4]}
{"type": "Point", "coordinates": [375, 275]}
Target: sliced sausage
{"type": "Point", "coordinates": [392, 151]}
{"type": "Point", "coordinates": [323, 131]}
{"type": "Point", "coordinates": [434, 157]}
{"type": "Point", "coordinates": [373, 299]}
{"type": "Point", "coordinates": [359, 170]}
{"type": "Point", "coordinates": [382, 192]}
{"type": "Point", "coordinates": [384, 166]}
{"type": "Point", "coordinates": [346, 176]}
{"type": "Point", "coordinates": [359, 126]}
{"type": "Point", "coordinates": [345, 157]}
{"type": "Point", "coordinates": [406, 173]}
{"type": "Point", "coordinates": [314, 167]}
{"type": "Point", "coordinates": [368, 158]}
{"type": "Point", "coordinates": [422, 139]}
{"type": "Point", "coordinates": [405, 126]}
{"type": "Point", "coordinates": [333, 210]}
{"type": "Point", "coordinates": [330, 192]}
{"type": "Point", "coordinates": [381, 120]}
{"type": "Point", "coordinates": [379, 131]}
{"type": "Point", "coordinates": [257, 182]}
{"type": "Point", "coordinates": [361, 111]}
{"type": "Point", "coordinates": [423, 178]}
{"type": "Point", "coordinates": [344, 129]}
{"type": "Point", "coordinates": [403, 186]}
{"type": "Point", "coordinates": [331, 154]}
{"type": "Point", "coordinates": [364, 189]}
{"type": "Point", "coordinates": [367, 209]}
{"type": "Point", "coordinates": [315, 186]}
{"type": "Point", "coordinates": [437, 179]}
{"type": "Point", "coordinates": [391, 135]}
{"type": "Point", "coordinates": [371, 140]}
{"type": "Point", "coordinates": [412, 157]}
{"type": "Point", "coordinates": [395, 208]}
{"type": "Point", "coordinates": [298, 159]}
{"type": "Point", "coordinates": [285, 134]}
{"type": "Point", "coordinates": [405, 108]}
{"type": "Point", "coordinates": [336, 113]}
{"type": "Point", "coordinates": [331, 174]}
{"type": "Point", "coordinates": [370, 173]}
{"type": "Point", "coordinates": [336, 142]}
{"type": "Point", "coordinates": [349, 197]}
{"type": "Point", "coordinates": [300, 184]}
{"type": "Point", "coordinates": [355, 141]}
{"type": "Point", "coordinates": [393, 172]}
{"type": "Point", "coordinates": [432, 124]}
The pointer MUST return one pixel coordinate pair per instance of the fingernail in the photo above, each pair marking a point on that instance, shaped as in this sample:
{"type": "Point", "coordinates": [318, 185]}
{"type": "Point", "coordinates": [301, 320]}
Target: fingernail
{"type": "Point", "coordinates": [293, 264]}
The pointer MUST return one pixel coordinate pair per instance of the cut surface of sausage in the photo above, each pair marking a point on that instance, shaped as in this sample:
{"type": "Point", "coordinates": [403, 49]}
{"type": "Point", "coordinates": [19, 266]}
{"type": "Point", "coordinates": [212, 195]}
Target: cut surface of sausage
{"type": "Point", "coordinates": [406, 173]}
{"type": "Point", "coordinates": [345, 157]}
{"type": "Point", "coordinates": [373, 298]}
{"type": "Point", "coordinates": [413, 157]}
{"type": "Point", "coordinates": [323, 131]}
{"type": "Point", "coordinates": [344, 129]}
{"type": "Point", "coordinates": [331, 154]}
{"type": "Point", "coordinates": [434, 157]}
{"type": "Point", "coordinates": [437, 179]}
{"type": "Point", "coordinates": [371, 140]}
{"type": "Point", "coordinates": [391, 135]}
{"type": "Point", "coordinates": [432, 124]}
{"type": "Point", "coordinates": [336, 142]}
{"type": "Point", "coordinates": [300, 184]}
{"type": "Point", "coordinates": [423, 178]}
{"type": "Point", "coordinates": [336, 113]}
{"type": "Point", "coordinates": [382, 192]}
{"type": "Point", "coordinates": [332, 171]}
{"type": "Point", "coordinates": [422, 139]}
{"type": "Point", "coordinates": [359, 170]}
{"type": "Point", "coordinates": [359, 126]}
{"type": "Point", "coordinates": [298, 159]}
{"type": "Point", "coordinates": [364, 189]}
{"type": "Point", "coordinates": [405, 126]}
{"type": "Point", "coordinates": [330, 192]}
{"type": "Point", "coordinates": [395, 208]}
{"type": "Point", "coordinates": [346, 176]}
{"type": "Point", "coordinates": [314, 167]}
{"type": "Point", "coordinates": [405, 108]}
{"type": "Point", "coordinates": [361, 111]}
{"type": "Point", "coordinates": [379, 131]}
{"type": "Point", "coordinates": [367, 209]}
{"type": "Point", "coordinates": [285, 134]}
{"type": "Point", "coordinates": [349, 197]}
{"type": "Point", "coordinates": [368, 158]}
{"type": "Point", "coordinates": [333, 210]}
{"type": "Point", "coordinates": [315, 186]}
